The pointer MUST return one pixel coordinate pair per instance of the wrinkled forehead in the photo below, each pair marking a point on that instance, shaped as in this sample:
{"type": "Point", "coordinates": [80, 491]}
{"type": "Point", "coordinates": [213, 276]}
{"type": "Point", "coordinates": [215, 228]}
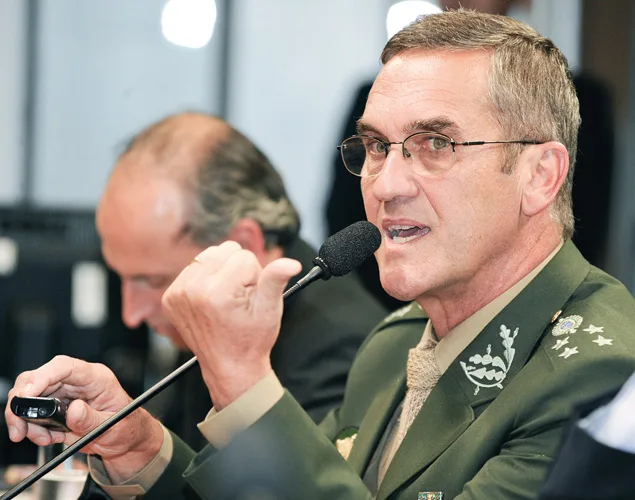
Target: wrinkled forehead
{"type": "Point", "coordinates": [448, 87]}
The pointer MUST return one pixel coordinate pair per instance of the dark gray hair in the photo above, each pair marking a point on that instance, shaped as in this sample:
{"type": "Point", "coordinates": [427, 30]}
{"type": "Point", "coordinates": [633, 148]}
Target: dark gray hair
{"type": "Point", "coordinates": [229, 178]}
{"type": "Point", "coordinates": [237, 181]}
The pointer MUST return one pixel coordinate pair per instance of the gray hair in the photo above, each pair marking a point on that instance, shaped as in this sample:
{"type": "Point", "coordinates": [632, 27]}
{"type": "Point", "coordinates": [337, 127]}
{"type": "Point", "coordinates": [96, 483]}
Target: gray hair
{"type": "Point", "coordinates": [237, 181]}
{"type": "Point", "coordinates": [530, 85]}
{"type": "Point", "coordinates": [227, 176]}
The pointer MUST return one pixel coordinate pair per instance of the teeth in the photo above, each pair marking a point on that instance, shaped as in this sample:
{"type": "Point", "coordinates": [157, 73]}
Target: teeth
{"type": "Point", "coordinates": [399, 239]}
{"type": "Point", "coordinates": [395, 231]}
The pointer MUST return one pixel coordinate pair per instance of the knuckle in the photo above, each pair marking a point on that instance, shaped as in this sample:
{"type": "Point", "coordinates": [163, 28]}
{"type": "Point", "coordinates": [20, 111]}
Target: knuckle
{"type": "Point", "coordinates": [210, 253]}
{"type": "Point", "coordinates": [232, 245]}
{"type": "Point", "coordinates": [102, 370]}
{"type": "Point", "coordinates": [62, 359]}
{"type": "Point", "coordinates": [75, 363]}
{"type": "Point", "coordinates": [23, 378]}
{"type": "Point", "coordinates": [248, 256]}
{"type": "Point", "coordinates": [169, 294]}
{"type": "Point", "coordinates": [10, 396]}
{"type": "Point", "coordinates": [250, 267]}
{"type": "Point", "coordinates": [166, 301]}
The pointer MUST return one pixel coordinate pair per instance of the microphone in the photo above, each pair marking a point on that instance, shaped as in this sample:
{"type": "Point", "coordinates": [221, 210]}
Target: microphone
{"type": "Point", "coordinates": [338, 255]}
{"type": "Point", "coordinates": [341, 253]}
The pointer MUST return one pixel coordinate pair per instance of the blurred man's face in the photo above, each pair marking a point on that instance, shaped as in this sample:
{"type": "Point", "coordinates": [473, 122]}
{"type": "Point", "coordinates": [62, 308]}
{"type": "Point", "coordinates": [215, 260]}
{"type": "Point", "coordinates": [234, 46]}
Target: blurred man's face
{"type": "Point", "coordinates": [140, 220]}
{"type": "Point", "coordinates": [446, 231]}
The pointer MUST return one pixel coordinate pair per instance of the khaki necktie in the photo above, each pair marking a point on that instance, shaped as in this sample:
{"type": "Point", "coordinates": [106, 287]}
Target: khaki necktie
{"type": "Point", "coordinates": [421, 377]}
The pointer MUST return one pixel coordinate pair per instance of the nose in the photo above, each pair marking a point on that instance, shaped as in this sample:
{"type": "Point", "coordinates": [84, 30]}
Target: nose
{"type": "Point", "coordinates": [396, 179]}
{"type": "Point", "coordinates": [136, 305]}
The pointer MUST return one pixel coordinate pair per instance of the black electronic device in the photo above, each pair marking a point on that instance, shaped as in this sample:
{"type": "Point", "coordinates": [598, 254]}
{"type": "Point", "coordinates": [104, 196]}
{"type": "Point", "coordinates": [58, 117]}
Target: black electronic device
{"type": "Point", "coordinates": [47, 412]}
{"type": "Point", "coordinates": [44, 291]}
{"type": "Point", "coordinates": [339, 255]}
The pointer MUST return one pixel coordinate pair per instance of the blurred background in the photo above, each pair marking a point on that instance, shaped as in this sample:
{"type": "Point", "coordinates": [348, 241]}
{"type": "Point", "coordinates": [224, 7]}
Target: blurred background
{"type": "Point", "coordinates": [80, 77]}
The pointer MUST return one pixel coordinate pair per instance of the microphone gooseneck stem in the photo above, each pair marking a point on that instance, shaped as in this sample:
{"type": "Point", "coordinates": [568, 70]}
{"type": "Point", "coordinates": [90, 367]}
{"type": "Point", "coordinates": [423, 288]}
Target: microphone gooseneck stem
{"type": "Point", "coordinates": [313, 275]}
{"type": "Point", "coordinates": [310, 277]}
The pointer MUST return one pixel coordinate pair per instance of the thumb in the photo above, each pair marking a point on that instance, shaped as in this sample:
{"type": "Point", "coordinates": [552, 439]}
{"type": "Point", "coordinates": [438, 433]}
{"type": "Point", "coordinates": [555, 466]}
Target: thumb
{"type": "Point", "coordinates": [81, 418]}
{"type": "Point", "coordinates": [275, 276]}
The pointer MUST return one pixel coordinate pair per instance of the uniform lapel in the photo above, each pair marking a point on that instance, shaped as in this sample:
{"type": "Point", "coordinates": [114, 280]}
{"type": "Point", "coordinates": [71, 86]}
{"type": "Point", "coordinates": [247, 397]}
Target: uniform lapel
{"type": "Point", "coordinates": [446, 404]}
{"type": "Point", "coordinates": [485, 367]}
{"type": "Point", "coordinates": [374, 423]}
{"type": "Point", "coordinates": [391, 386]}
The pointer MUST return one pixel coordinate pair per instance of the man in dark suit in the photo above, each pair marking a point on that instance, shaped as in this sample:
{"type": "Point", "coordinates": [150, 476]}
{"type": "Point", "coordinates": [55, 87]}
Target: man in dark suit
{"type": "Point", "coordinates": [190, 181]}
{"type": "Point", "coordinates": [597, 456]}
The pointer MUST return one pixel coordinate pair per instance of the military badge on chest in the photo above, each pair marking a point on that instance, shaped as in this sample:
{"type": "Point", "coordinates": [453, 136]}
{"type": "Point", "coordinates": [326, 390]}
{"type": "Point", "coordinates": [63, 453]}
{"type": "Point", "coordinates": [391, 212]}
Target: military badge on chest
{"type": "Point", "coordinates": [486, 371]}
{"type": "Point", "coordinates": [570, 325]}
{"type": "Point", "coordinates": [430, 495]}
{"type": "Point", "coordinates": [566, 326]}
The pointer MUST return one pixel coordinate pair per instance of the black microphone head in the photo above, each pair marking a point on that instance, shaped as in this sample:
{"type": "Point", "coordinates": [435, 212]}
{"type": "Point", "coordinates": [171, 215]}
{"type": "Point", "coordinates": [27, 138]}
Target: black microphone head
{"type": "Point", "coordinates": [347, 249]}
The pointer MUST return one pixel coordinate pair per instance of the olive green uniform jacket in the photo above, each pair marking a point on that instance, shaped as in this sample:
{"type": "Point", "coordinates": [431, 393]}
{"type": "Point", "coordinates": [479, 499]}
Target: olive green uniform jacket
{"type": "Point", "coordinates": [489, 428]}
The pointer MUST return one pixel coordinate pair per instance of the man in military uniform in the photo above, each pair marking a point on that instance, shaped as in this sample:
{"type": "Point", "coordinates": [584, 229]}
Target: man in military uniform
{"type": "Point", "coordinates": [465, 155]}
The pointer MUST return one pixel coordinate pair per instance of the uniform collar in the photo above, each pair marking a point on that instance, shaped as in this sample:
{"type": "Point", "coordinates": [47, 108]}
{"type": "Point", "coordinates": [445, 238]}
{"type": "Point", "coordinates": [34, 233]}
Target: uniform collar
{"type": "Point", "coordinates": [457, 339]}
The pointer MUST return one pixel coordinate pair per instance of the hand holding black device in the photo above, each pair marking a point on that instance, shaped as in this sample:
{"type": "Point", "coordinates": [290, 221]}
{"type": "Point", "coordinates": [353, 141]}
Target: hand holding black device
{"type": "Point", "coordinates": [339, 255]}
{"type": "Point", "coordinates": [47, 412]}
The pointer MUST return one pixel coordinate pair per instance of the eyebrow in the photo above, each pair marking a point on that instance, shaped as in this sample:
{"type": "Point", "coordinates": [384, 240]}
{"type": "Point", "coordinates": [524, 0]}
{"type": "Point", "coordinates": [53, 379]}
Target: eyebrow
{"type": "Point", "coordinates": [150, 279]}
{"type": "Point", "coordinates": [365, 128]}
{"type": "Point", "coordinates": [143, 277]}
{"type": "Point", "coordinates": [440, 124]}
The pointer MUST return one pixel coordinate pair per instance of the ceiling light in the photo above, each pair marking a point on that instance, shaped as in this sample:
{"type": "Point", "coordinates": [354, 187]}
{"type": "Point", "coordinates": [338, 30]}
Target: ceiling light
{"type": "Point", "coordinates": [189, 23]}
{"type": "Point", "coordinates": [401, 14]}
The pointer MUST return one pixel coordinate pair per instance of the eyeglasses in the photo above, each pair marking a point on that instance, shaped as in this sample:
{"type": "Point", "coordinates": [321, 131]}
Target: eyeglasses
{"type": "Point", "coordinates": [432, 153]}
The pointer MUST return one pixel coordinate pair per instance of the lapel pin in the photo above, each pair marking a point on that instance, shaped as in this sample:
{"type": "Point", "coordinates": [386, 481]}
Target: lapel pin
{"type": "Point", "coordinates": [568, 325]}
{"type": "Point", "coordinates": [430, 495]}
{"type": "Point", "coordinates": [556, 316]}
{"type": "Point", "coordinates": [345, 445]}
{"type": "Point", "coordinates": [344, 441]}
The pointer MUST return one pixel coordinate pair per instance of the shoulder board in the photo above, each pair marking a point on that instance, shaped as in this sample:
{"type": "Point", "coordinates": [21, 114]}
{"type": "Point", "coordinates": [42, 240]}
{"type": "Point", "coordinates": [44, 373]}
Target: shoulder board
{"type": "Point", "coordinates": [572, 338]}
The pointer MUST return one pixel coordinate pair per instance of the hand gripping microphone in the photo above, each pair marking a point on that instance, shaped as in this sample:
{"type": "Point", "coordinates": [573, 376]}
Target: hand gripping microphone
{"type": "Point", "coordinates": [338, 255]}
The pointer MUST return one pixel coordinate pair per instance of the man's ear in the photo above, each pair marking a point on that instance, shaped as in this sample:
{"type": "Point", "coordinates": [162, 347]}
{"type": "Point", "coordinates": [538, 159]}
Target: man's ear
{"type": "Point", "coordinates": [546, 171]}
{"type": "Point", "coordinates": [249, 234]}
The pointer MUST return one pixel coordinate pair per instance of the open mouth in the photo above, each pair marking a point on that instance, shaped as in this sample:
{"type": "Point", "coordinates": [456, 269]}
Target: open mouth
{"type": "Point", "coordinates": [404, 234]}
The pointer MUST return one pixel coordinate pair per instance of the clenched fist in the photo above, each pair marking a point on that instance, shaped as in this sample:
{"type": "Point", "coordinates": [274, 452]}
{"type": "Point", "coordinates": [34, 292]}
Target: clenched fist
{"type": "Point", "coordinates": [227, 309]}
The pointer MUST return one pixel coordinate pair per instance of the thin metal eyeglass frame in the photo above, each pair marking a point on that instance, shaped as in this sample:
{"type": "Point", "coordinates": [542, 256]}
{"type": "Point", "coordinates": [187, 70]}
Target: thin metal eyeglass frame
{"type": "Point", "coordinates": [406, 153]}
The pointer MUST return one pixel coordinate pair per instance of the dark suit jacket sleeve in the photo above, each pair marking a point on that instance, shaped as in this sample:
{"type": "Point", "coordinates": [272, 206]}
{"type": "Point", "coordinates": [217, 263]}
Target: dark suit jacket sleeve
{"type": "Point", "coordinates": [588, 469]}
